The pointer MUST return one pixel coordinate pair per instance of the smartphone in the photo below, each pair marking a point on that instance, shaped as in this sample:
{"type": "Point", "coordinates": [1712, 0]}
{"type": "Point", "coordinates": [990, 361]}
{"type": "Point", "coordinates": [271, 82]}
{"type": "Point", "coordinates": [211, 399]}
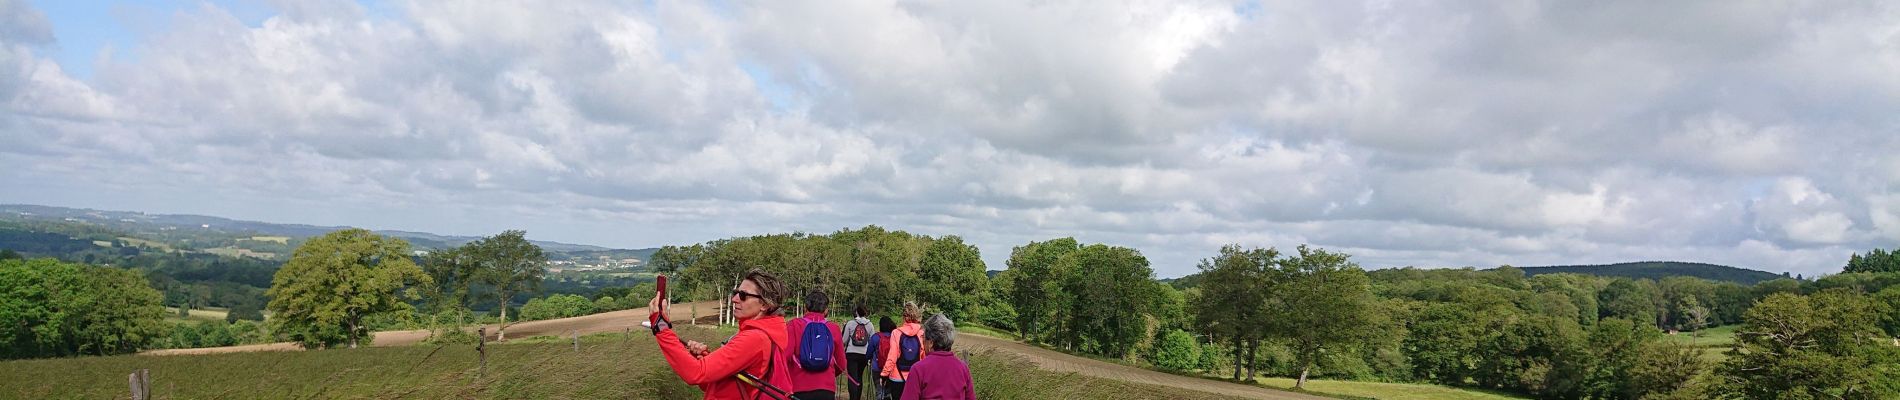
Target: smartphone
{"type": "Point", "coordinates": [662, 287]}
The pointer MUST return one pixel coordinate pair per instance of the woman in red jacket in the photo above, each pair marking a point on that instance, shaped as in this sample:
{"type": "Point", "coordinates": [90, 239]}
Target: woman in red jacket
{"type": "Point", "coordinates": [753, 351]}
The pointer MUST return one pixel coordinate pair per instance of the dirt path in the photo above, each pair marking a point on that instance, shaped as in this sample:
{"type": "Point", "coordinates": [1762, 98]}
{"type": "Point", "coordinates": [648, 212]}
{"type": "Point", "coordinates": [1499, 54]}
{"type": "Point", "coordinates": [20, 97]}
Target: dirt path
{"type": "Point", "coordinates": [614, 321]}
{"type": "Point", "coordinates": [1060, 362]}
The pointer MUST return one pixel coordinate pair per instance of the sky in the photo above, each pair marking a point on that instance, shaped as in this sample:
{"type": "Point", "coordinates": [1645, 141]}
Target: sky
{"type": "Point", "coordinates": [1435, 134]}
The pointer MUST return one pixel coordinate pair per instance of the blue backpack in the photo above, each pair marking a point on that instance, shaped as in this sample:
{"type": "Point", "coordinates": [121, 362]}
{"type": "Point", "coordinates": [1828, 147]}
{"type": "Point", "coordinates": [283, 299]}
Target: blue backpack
{"type": "Point", "coordinates": [814, 346]}
{"type": "Point", "coordinates": [909, 349]}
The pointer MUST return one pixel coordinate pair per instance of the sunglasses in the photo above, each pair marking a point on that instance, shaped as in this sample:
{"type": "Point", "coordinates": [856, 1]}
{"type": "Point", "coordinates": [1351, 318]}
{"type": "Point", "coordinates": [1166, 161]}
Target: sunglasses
{"type": "Point", "coordinates": [744, 294]}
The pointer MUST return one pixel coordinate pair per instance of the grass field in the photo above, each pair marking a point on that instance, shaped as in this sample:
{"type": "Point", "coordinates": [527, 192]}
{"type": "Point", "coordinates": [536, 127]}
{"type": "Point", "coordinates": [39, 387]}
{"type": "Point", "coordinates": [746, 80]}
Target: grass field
{"type": "Point", "coordinates": [146, 243]}
{"type": "Point", "coordinates": [1384, 391]}
{"type": "Point", "coordinates": [229, 251]}
{"type": "Point", "coordinates": [197, 314]}
{"type": "Point", "coordinates": [274, 239]}
{"type": "Point", "coordinates": [1713, 341]}
{"type": "Point", "coordinates": [607, 366]}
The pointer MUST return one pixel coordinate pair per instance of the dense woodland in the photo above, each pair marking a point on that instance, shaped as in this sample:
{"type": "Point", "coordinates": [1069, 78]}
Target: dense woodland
{"type": "Point", "coordinates": [1302, 312]}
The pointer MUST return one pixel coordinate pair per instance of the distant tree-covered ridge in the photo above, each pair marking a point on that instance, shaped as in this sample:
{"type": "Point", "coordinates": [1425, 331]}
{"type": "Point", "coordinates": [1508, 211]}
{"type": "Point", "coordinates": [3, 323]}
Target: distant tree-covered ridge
{"type": "Point", "coordinates": [1661, 269]}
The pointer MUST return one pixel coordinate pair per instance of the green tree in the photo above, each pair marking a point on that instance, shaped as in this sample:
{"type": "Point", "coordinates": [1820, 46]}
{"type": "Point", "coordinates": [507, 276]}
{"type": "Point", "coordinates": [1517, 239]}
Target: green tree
{"type": "Point", "coordinates": [1633, 299]}
{"type": "Point", "coordinates": [1232, 298]}
{"type": "Point", "coordinates": [1443, 342]}
{"type": "Point", "coordinates": [1034, 264]}
{"type": "Point", "coordinates": [1321, 302]}
{"type": "Point", "coordinates": [1539, 354]}
{"type": "Point", "coordinates": [1889, 303]}
{"type": "Point", "coordinates": [452, 274]}
{"type": "Point", "coordinates": [1105, 294]}
{"type": "Point", "coordinates": [556, 306]}
{"type": "Point", "coordinates": [1176, 351]}
{"type": "Point", "coordinates": [950, 278]}
{"type": "Point", "coordinates": [1667, 369]}
{"type": "Point", "coordinates": [1874, 261]}
{"type": "Point", "coordinates": [50, 308]}
{"type": "Point", "coordinates": [246, 311]}
{"type": "Point", "coordinates": [509, 265]}
{"type": "Point", "coordinates": [1621, 344]}
{"type": "Point", "coordinates": [1821, 346]}
{"type": "Point", "coordinates": [331, 283]}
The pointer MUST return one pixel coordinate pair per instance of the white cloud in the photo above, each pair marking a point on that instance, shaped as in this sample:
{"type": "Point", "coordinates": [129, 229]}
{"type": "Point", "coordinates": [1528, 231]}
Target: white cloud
{"type": "Point", "coordinates": [1405, 133]}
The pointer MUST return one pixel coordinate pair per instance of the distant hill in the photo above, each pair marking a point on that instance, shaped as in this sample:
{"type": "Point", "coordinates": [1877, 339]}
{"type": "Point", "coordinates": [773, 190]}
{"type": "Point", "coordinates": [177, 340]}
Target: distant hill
{"type": "Point", "coordinates": [1661, 269]}
{"type": "Point", "coordinates": [199, 231]}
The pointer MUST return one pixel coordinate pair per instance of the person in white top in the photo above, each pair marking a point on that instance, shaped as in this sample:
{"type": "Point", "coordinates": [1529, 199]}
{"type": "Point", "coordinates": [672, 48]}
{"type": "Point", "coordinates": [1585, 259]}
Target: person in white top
{"type": "Point", "coordinates": [857, 337]}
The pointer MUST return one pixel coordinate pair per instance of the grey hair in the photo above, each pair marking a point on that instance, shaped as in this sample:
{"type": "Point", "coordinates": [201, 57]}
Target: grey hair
{"type": "Point", "coordinates": [940, 332]}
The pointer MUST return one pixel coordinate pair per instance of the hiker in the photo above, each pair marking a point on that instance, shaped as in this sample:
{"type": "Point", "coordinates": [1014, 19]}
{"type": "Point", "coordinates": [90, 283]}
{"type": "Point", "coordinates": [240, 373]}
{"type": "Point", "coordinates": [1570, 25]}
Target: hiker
{"type": "Point", "coordinates": [817, 351]}
{"type": "Point", "coordinates": [749, 366]}
{"type": "Point", "coordinates": [857, 333]}
{"type": "Point", "coordinates": [940, 375]}
{"type": "Point", "coordinates": [884, 327]}
{"type": "Point", "coordinates": [902, 350]}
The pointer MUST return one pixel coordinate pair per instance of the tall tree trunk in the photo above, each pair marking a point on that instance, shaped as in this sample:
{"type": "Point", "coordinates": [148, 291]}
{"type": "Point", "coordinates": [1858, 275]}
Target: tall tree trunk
{"type": "Point", "coordinates": [1238, 345]}
{"type": "Point", "coordinates": [1253, 347]}
{"type": "Point", "coordinates": [501, 331]}
{"type": "Point", "coordinates": [1307, 354]}
{"type": "Point", "coordinates": [1304, 367]}
{"type": "Point", "coordinates": [352, 333]}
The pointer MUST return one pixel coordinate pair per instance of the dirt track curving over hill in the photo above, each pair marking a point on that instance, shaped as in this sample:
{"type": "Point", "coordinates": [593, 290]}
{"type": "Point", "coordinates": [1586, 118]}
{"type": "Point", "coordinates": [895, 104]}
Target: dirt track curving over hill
{"type": "Point", "coordinates": [620, 321]}
{"type": "Point", "coordinates": [1060, 362]}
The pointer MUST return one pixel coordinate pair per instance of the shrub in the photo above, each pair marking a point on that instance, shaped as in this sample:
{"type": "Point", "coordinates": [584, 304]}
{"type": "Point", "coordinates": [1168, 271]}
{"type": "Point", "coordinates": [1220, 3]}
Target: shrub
{"type": "Point", "coordinates": [556, 306]}
{"type": "Point", "coordinates": [1176, 351]}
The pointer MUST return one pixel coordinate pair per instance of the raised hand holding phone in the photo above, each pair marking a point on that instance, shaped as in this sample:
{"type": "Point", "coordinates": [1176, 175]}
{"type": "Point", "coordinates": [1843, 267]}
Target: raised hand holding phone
{"type": "Point", "coordinates": [657, 306]}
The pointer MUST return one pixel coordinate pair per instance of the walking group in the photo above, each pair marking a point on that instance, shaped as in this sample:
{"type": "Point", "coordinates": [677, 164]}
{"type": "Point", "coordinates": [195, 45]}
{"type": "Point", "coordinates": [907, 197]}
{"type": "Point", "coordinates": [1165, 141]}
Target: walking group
{"type": "Point", "coordinates": [801, 358]}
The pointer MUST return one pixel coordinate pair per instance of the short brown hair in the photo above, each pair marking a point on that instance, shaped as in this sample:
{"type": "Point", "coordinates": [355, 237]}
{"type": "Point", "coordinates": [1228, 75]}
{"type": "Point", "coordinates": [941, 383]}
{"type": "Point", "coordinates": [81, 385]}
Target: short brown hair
{"type": "Point", "coordinates": [770, 290]}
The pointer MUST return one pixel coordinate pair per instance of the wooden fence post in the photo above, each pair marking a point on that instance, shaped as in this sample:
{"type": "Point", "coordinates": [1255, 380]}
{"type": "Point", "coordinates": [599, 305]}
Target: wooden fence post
{"type": "Point", "coordinates": [577, 340]}
{"type": "Point", "coordinates": [481, 346]}
{"type": "Point", "coordinates": [141, 381]}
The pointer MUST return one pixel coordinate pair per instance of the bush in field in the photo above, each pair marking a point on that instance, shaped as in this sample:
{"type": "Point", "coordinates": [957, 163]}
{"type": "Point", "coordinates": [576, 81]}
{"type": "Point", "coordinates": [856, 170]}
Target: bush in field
{"type": "Point", "coordinates": [1176, 351]}
{"type": "Point", "coordinates": [556, 306]}
{"type": "Point", "coordinates": [1215, 356]}
{"type": "Point", "coordinates": [605, 304]}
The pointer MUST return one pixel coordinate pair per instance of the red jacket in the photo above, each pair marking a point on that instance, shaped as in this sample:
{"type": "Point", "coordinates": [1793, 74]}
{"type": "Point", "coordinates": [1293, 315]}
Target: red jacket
{"type": "Point", "coordinates": [803, 380]}
{"type": "Point", "coordinates": [753, 350]}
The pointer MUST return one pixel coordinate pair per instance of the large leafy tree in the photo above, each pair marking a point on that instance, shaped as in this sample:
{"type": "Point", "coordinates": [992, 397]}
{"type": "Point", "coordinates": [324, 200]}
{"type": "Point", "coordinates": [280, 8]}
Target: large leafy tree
{"type": "Point", "coordinates": [452, 274]}
{"type": "Point", "coordinates": [1106, 295]}
{"type": "Point", "coordinates": [1821, 346]}
{"type": "Point", "coordinates": [321, 296]}
{"type": "Point", "coordinates": [50, 308]}
{"type": "Point", "coordinates": [950, 278]}
{"type": "Point", "coordinates": [510, 265]}
{"type": "Point", "coordinates": [1443, 342]}
{"type": "Point", "coordinates": [1034, 264]}
{"type": "Point", "coordinates": [1321, 302]}
{"type": "Point", "coordinates": [1633, 299]}
{"type": "Point", "coordinates": [1620, 342]}
{"type": "Point", "coordinates": [1233, 297]}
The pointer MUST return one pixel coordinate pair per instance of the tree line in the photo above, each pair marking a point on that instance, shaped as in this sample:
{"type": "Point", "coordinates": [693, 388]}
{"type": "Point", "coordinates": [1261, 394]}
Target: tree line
{"type": "Point", "coordinates": [1246, 312]}
{"type": "Point", "coordinates": [1550, 336]}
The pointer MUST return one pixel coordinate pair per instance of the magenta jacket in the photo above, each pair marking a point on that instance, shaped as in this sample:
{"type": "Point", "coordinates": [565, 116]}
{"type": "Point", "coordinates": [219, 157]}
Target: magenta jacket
{"type": "Point", "coordinates": [940, 375]}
